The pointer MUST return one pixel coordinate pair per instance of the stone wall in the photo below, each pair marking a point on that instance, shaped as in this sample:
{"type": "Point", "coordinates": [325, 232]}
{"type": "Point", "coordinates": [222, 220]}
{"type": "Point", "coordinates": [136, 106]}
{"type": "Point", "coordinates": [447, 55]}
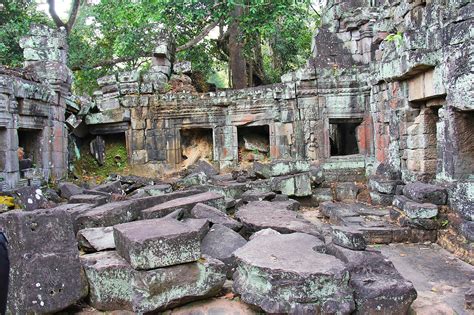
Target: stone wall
{"type": "Point", "coordinates": [32, 111]}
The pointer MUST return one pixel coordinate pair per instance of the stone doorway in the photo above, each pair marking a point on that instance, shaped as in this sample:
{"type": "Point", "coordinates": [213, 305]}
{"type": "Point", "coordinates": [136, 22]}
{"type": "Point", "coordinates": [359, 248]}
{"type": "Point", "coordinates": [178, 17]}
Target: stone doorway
{"type": "Point", "coordinates": [29, 150]}
{"type": "Point", "coordinates": [343, 136]}
{"type": "Point", "coordinates": [254, 143]}
{"type": "Point", "coordinates": [196, 143]}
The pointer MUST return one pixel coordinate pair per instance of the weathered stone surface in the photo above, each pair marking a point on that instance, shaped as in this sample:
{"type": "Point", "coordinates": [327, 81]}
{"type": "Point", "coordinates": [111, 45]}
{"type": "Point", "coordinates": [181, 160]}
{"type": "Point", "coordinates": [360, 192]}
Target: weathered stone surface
{"type": "Point", "coordinates": [69, 189]}
{"type": "Point", "coordinates": [30, 198]}
{"type": "Point", "coordinates": [45, 275]}
{"type": "Point", "coordinates": [157, 190]}
{"type": "Point", "coordinates": [185, 203]}
{"type": "Point", "coordinates": [259, 215]}
{"type": "Point", "coordinates": [204, 167]}
{"type": "Point", "coordinates": [469, 299]}
{"type": "Point", "coordinates": [280, 168]}
{"type": "Point", "coordinates": [114, 285]}
{"type": "Point", "coordinates": [123, 211]}
{"type": "Point", "coordinates": [165, 288]}
{"type": "Point", "coordinates": [381, 199]}
{"type": "Point", "coordinates": [426, 193]}
{"type": "Point", "coordinates": [220, 243]}
{"type": "Point", "coordinates": [150, 244]}
{"type": "Point", "coordinates": [96, 239]}
{"type": "Point", "coordinates": [110, 281]}
{"type": "Point", "coordinates": [415, 210]}
{"type": "Point", "coordinates": [255, 195]}
{"type": "Point", "coordinates": [382, 185]}
{"type": "Point", "coordinates": [322, 194]}
{"type": "Point", "coordinates": [346, 191]}
{"type": "Point", "coordinates": [378, 285]}
{"type": "Point", "coordinates": [263, 233]}
{"type": "Point", "coordinates": [114, 187]}
{"type": "Point", "coordinates": [292, 185]}
{"type": "Point", "coordinates": [348, 237]}
{"type": "Point", "coordinates": [272, 274]}
{"type": "Point", "coordinates": [215, 216]}
{"type": "Point", "coordinates": [96, 200]}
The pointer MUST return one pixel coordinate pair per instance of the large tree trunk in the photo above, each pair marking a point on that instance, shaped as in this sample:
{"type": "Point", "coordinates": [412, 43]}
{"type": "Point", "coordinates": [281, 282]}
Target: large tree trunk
{"type": "Point", "coordinates": [238, 65]}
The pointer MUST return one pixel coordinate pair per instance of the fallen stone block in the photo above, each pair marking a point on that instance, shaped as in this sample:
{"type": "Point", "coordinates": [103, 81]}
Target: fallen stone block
{"type": "Point", "coordinates": [45, 274]}
{"type": "Point", "coordinates": [165, 288]}
{"type": "Point", "coordinates": [469, 299]}
{"type": "Point", "coordinates": [255, 195]}
{"type": "Point", "coordinates": [292, 185]}
{"type": "Point", "coordinates": [96, 239]}
{"type": "Point", "coordinates": [346, 191]}
{"type": "Point", "coordinates": [415, 210]}
{"type": "Point", "coordinates": [426, 193]}
{"type": "Point", "coordinates": [335, 211]}
{"type": "Point", "coordinates": [378, 287]}
{"type": "Point", "coordinates": [157, 190]}
{"type": "Point", "coordinates": [110, 281]}
{"type": "Point", "coordinates": [201, 225]}
{"type": "Point", "coordinates": [95, 200]}
{"type": "Point", "coordinates": [215, 216]}
{"type": "Point", "coordinates": [67, 190]}
{"type": "Point", "coordinates": [348, 237]}
{"type": "Point", "coordinates": [280, 168]}
{"type": "Point", "coordinates": [114, 187]}
{"type": "Point", "coordinates": [289, 204]}
{"type": "Point", "coordinates": [185, 203]}
{"type": "Point", "coordinates": [30, 198]}
{"type": "Point", "coordinates": [259, 215]}
{"type": "Point", "coordinates": [381, 199]}
{"type": "Point", "coordinates": [263, 232]}
{"type": "Point", "coordinates": [150, 244]}
{"type": "Point", "coordinates": [383, 185]}
{"type": "Point", "coordinates": [220, 243]}
{"type": "Point", "coordinates": [272, 274]}
{"type": "Point", "coordinates": [204, 167]}
{"type": "Point", "coordinates": [322, 194]}
{"type": "Point", "coordinates": [124, 211]}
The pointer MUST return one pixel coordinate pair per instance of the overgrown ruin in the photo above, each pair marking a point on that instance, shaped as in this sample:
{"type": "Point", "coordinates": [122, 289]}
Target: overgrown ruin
{"type": "Point", "coordinates": [374, 132]}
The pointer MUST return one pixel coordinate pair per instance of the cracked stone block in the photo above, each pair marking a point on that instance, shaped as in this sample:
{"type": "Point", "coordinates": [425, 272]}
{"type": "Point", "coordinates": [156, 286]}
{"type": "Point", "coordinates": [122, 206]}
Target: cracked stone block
{"type": "Point", "coordinates": [426, 193]}
{"type": "Point", "coordinates": [149, 244]}
{"type": "Point", "coordinates": [378, 286]}
{"type": "Point", "coordinates": [30, 198]}
{"type": "Point", "coordinates": [292, 185]}
{"type": "Point", "coordinates": [157, 190]}
{"type": "Point", "coordinates": [45, 274]}
{"type": "Point", "coordinates": [185, 203]}
{"type": "Point", "coordinates": [255, 195]}
{"type": "Point", "coordinates": [215, 216]}
{"type": "Point", "coordinates": [415, 210]}
{"type": "Point", "coordinates": [220, 243]}
{"type": "Point", "coordinates": [67, 190]}
{"type": "Point", "coordinates": [96, 200]}
{"type": "Point", "coordinates": [259, 215]}
{"type": "Point", "coordinates": [114, 187]}
{"type": "Point", "coordinates": [272, 274]}
{"type": "Point", "coordinates": [346, 191]}
{"type": "Point", "coordinates": [348, 237]}
{"type": "Point", "coordinates": [96, 239]}
{"type": "Point", "coordinates": [322, 194]}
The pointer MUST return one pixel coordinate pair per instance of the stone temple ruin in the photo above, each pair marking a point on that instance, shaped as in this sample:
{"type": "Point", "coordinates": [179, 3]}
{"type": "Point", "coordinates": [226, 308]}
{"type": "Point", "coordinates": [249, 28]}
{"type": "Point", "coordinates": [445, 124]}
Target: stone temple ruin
{"type": "Point", "coordinates": [375, 131]}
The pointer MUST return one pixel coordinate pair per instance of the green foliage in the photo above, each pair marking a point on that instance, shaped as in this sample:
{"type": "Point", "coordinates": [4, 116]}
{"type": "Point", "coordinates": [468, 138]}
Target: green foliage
{"type": "Point", "coordinates": [16, 16]}
{"type": "Point", "coordinates": [395, 37]}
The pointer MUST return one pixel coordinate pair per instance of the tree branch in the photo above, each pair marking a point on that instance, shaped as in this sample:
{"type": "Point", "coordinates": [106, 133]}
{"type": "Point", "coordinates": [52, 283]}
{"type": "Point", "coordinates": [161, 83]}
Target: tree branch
{"type": "Point", "coordinates": [199, 37]}
{"type": "Point", "coordinates": [52, 12]}
{"type": "Point", "coordinates": [72, 15]}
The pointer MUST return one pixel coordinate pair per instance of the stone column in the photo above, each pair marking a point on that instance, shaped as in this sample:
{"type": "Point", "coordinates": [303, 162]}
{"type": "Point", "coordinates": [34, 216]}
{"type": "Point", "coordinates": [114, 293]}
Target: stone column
{"type": "Point", "coordinates": [45, 52]}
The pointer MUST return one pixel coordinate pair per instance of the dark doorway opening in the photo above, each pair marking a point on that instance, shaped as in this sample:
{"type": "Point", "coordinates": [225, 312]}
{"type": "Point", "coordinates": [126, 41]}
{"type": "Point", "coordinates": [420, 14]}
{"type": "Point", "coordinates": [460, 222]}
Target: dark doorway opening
{"type": "Point", "coordinates": [29, 150]}
{"type": "Point", "coordinates": [254, 143]}
{"type": "Point", "coordinates": [343, 137]}
{"type": "Point", "coordinates": [196, 143]}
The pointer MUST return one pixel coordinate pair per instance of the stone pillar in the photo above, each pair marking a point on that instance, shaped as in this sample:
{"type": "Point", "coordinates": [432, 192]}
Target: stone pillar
{"type": "Point", "coordinates": [45, 52]}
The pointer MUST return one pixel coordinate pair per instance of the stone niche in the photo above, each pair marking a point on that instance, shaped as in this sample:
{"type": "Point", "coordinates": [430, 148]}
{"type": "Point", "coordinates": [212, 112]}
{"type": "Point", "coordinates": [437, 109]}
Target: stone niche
{"type": "Point", "coordinates": [196, 143]}
{"type": "Point", "coordinates": [29, 150]}
{"type": "Point", "coordinates": [343, 136]}
{"type": "Point", "coordinates": [464, 131]}
{"type": "Point", "coordinates": [253, 143]}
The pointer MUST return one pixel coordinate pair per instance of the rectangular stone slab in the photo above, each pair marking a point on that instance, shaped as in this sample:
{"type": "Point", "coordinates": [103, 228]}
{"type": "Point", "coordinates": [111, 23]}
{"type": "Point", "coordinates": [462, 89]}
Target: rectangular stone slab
{"type": "Point", "coordinates": [185, 203]}
{"type": "Point", "coordinates": [92, 199]}
{"type": "Point", "coordinates": [155, 243]}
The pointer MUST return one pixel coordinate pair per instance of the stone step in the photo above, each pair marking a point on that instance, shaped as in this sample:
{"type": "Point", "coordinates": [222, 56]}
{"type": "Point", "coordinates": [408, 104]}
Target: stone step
{"type": "Point", "coordinates": [426, 193]}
